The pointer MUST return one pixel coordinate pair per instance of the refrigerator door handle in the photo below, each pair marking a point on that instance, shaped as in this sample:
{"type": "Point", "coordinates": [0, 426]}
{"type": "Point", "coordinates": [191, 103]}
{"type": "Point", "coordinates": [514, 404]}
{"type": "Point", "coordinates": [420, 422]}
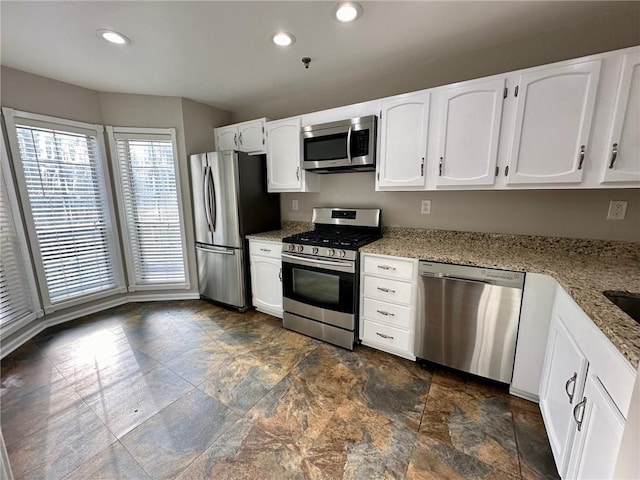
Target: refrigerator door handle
{"type": "Point", "coordinates": [213, 208]}
{"type": "Point", "coordinates": [211, 249]}
{"type": "Point", "coordinates": [205, 194]}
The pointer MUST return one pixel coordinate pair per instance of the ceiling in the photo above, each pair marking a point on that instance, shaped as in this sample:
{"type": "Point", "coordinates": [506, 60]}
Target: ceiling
{"type": "Point", "coordinates": [219, 53]}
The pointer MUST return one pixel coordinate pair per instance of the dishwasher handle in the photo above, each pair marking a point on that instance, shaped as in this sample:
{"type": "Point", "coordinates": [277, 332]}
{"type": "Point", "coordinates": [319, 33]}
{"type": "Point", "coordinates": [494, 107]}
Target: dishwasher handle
{"type": "Point", "coordinates": [445, 276]}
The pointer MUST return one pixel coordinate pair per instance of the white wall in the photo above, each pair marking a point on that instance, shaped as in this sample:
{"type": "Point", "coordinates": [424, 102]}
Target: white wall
{"type": "Point", "coordinates": [563, 213]}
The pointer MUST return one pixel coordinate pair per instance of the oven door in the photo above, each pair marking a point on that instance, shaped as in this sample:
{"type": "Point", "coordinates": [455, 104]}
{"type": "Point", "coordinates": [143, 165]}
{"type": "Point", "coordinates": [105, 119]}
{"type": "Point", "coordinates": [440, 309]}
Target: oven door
{"type": "Point", "coordinates": [323, 290]}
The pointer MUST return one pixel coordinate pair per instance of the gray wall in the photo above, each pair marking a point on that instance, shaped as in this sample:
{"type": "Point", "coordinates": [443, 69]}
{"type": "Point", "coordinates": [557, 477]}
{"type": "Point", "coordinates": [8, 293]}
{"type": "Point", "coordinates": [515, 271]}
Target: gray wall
{"type": "Point", "coordinates": [35, 94]}
{"type": "Point", "coordinates": [563, 213]}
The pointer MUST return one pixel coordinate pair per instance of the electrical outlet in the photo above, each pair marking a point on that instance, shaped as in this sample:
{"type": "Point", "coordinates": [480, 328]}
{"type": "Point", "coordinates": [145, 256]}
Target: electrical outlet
{"type": "Point", "coordinates": [425, 207]}
{"type": "Point", "coordinates": [294, 204]}
{"type": "Point", "coordinates": [617, 210]}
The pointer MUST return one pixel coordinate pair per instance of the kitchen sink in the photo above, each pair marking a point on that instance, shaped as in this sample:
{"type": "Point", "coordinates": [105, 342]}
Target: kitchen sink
{"type": "Point", "coordinates": [628, 302]}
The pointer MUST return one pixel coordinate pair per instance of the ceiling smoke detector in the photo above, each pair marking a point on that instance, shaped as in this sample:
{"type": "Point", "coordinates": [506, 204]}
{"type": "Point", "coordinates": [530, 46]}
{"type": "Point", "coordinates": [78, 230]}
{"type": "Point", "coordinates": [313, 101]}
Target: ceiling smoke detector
{"type": "Point", "coordinates": [113, 37]}
{"type": "Point", "coordinates": [348, 11]}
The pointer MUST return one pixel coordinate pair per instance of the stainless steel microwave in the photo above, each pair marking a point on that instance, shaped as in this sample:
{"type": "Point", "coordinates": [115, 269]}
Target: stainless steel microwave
{"type": "Point", "coordinates": [347, 145]}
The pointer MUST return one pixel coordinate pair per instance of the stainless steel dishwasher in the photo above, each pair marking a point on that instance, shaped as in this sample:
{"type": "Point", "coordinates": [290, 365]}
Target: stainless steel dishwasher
{"type": "Point", "coordinates": [469, 318]}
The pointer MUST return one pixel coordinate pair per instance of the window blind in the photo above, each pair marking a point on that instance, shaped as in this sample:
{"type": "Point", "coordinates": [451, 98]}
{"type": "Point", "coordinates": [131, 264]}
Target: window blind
{"type": "Point", "coordinates": [66, 189]}
{"type": "Point", "coordinates": [16, 295]}
{"type": "Point", "coordinates": [149, 199]}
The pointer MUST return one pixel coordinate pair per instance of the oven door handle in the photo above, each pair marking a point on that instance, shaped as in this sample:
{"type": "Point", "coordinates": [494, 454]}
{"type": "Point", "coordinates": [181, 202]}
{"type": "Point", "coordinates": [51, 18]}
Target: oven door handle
{"type": "Point", "coordinates": [339, 266]}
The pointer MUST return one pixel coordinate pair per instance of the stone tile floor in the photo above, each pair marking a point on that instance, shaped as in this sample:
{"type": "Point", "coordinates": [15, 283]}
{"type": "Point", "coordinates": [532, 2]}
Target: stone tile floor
{"type": "Point", "coordinates": [190, 390]}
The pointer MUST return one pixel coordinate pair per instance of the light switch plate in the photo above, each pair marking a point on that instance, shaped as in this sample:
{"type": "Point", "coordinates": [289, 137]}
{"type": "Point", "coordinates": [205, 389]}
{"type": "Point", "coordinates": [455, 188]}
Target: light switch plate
{"type": "Point", "coordinates": [617, 210]}
{"type": "Point", "coordinates": [425, 207]}
{"type": "Point", "coordinates": [294, 204]}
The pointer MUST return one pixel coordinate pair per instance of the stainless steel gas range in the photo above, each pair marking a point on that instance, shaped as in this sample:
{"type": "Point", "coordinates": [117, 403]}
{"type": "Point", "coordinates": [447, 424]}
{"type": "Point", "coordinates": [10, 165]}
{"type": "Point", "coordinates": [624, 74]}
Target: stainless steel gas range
{"type": "Point", "coordinates": [320, 274]}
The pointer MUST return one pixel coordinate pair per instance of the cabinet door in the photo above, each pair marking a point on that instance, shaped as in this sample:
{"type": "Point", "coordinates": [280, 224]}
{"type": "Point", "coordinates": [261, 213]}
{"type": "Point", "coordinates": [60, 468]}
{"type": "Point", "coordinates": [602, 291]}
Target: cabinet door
{"type": "Point", "coordinates": [598, 439]}
{"type": "Point", "coordinates": [469, 132]}
{"type": "Point", "coordinates": [561, 388]}
{"type": "Point", "coordinates": [553, 117]}
{"type": "Point", "coordinates": [266, 284]}
{"type": "Point", "coordinates": [623, 162]}
{"type": "Point", "coordinates": [403, 141]}
{"type": "Point", "coordinates": [283, 156]}
{"type": "Point", "coordinates": [251, 136]}
{"type": "Point", "coordinates": [226, 138]}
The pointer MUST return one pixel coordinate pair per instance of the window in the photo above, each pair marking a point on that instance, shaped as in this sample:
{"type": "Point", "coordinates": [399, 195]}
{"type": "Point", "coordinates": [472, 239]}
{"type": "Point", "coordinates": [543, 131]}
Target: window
{"type": "Point", "coordinates": [64, 186]}
{"type": "Point", "coordinates": [19, 303]}
{"type": "Point", "coordinates": [148, 191]}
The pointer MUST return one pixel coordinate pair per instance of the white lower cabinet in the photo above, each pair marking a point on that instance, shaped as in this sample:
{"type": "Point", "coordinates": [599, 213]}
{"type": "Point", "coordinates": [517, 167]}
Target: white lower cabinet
{"type": "Point", "coordinates": [585, 393]}
{"type": "Point", "coordinates": [388, 287]}
{"type": "Point", "coordinates": [599, 434]}
{"type": "Point", "coordinates": [266, 276]}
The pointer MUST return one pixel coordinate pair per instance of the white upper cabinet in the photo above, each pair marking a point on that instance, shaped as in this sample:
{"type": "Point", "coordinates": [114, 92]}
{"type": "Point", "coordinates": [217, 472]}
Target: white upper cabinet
{"type": "Point", "coordinates": [226, 138]}
{"type": "Point", "coordinates": [246, 137]}
{"type": "Point", "coordinates": [403, 142]}
{"type": "Point", "coordinates": [284, 166]}
{"type": "Point", "coordinates": [623, 161]}
{"type": "Point", "coordinates": [469, 121]}
{"type": "Point", "coordinates": [554, 109]}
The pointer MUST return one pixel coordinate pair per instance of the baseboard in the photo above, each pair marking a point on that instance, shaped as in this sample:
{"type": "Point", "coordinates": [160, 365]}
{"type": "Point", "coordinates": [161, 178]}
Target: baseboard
{"type": "Point", "coordinates": [526, 395]}
{"type": "Point", "coordinates": [41, 324]}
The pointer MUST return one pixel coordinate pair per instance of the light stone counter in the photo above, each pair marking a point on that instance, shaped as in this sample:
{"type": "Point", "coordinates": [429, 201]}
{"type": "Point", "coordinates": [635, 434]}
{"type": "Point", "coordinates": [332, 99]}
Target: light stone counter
{"type": "Point", "coordinates": [585, 268]}
{"type": "Point", "coordinates": [288, 229]}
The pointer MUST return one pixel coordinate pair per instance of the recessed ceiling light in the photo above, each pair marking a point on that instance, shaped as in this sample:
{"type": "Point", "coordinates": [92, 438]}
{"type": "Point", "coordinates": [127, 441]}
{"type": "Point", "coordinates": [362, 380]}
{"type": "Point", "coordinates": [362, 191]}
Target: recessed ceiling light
{"type": "Point", "coordinates": [113, 37]}
{"type": "Point", "coordinates": [283, 39]}
{"type": "Point", "coordinates": [348, 11]}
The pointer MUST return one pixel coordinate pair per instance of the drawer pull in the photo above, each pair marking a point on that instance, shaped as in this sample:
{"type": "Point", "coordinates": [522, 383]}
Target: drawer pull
{"type": "Point", "coordinates": [581, 405]}
{"type": "Point", "coordinates": [388, 337]}
{"type": "Point", "coordinates": [386, 267]}
{"type": "Point", "coordinates": [386, 314]}
{"type": "Point", "coordinates": [265, 249]}
{"type": "Point", "coordinates": [386, 290]}
{"type": "Point", "coordinates": [573, 390]}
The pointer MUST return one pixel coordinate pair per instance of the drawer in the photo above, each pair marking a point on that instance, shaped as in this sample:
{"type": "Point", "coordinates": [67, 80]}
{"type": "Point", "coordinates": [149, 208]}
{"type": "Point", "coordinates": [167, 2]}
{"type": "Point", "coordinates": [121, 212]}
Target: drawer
{"type": "Point", "coordinates": [387, 290]}
{"type": "Point", "coordinates": [402, 269]}
{"type": "Point", "coordinates": [386, 336]}
{"type": "Point", "coordinates": [388, 313]}
{"type": "Point", "coordinates": [265, 249]}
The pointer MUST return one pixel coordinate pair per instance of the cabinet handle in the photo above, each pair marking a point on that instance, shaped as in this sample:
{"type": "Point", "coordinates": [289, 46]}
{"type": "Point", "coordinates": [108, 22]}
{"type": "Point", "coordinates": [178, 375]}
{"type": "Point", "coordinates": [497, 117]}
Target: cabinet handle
{"type": "Point", "coordinates": [386, 290]}
{"type": "Point", "coordinates": [265, 249]}
{"type": "Point", "coordinates": [582, 147]}
{"type": "Point", "coordinates": [614, 154]}
{"type": "Point", "coordinates": [280, 275]}
{"type": "Point", "coordinates": [386, 314]}
{"type": "Point", "coordinates": [422, 168]}
{"type": "Point", "coordinates": [573, 390]}
{"type": "Point", "coordinates": [298, 173]}
{"type": "Point", "coordinates": [384, 336]}
{"type": "Point", "coordinates": [386, 267]}
{"type": "Point", "coordinates": [580, 406]}
{"type": "Point", "coordinates": [235, 139]}
{"type": "Point", "coordinates": [240, 138]}
{"type": "Point", "coordinates": [440, 166]}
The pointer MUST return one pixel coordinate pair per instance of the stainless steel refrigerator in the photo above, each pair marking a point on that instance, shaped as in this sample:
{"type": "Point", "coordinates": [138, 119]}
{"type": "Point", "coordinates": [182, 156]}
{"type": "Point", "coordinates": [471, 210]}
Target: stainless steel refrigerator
{"type": "Point", "coordinates": [230, 200]}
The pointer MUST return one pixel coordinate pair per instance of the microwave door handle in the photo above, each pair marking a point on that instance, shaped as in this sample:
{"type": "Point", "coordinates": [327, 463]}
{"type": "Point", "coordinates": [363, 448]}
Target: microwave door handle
{"type": "Point", "coordinates": [205, 197]}
{"type": "Point", "coordinates": [349, 143]}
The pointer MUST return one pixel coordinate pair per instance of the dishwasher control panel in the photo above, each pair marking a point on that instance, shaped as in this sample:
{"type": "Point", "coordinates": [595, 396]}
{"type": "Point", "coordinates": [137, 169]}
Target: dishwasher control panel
{"type": "Point", "coordinates": [493, 276]}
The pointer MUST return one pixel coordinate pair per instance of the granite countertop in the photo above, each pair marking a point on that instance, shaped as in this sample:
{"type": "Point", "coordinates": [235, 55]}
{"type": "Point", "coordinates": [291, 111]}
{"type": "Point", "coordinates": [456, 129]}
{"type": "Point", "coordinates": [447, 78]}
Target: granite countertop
{"type": "Point", "coordinates": [585, 268]}
{"type": "Point", "coordinates": [288, 229]}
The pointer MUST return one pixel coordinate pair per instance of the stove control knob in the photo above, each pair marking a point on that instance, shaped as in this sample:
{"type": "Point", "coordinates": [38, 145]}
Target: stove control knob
{"type": "Point", "coordinates": [291, 248]}
{"type": "Point", "coordinates": [331, 252]}
{"type": "Point", "coordinates": [314, 250]}
{"type": "Point", "coordinates": [342, 254]}
{"type": "Point", "coordinates": [299, 248]}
